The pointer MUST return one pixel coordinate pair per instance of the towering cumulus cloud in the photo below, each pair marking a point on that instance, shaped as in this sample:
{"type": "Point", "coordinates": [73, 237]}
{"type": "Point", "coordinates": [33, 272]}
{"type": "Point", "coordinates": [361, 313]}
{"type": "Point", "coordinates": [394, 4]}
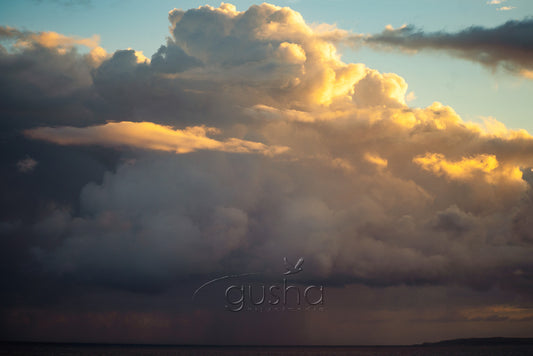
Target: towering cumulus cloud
{"type": "Point", "coordinates": [244, 139]}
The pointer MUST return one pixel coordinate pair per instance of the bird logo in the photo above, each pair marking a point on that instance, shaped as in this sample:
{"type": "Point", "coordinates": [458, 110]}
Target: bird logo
{"type": "Point", "coordinates": [293, 269]}
{"type": "Point", "coordinates": [288, 266]}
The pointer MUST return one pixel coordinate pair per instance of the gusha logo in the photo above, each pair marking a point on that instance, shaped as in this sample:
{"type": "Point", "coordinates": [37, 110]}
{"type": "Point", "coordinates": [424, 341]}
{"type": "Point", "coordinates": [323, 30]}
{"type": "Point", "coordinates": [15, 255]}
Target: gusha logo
{"type": "Point", "coordinates": [293, 269]}
{"type": "Point", "coordinates": [275, 297]}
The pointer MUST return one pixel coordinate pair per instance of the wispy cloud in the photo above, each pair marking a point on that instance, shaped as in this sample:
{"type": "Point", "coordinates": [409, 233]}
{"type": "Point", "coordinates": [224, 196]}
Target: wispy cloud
{"type": "Point", "coordinates": [506, 8]}
{"type": "Point", "coordinates": [147, 135]}
{"type": "Point", "coordinates": [508, 46]}
{"type": "Point", "coordinates": [26, 165]}
{"type": "Point", "coordinates": [500, 2]}
{"type": "Point", "coordinates": [48, 39]}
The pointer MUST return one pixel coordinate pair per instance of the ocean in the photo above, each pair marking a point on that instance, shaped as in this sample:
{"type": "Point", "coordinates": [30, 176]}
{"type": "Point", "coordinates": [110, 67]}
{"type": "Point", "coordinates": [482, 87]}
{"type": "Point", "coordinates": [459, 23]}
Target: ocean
{"type": "Point", "coordinates": [145, 350]}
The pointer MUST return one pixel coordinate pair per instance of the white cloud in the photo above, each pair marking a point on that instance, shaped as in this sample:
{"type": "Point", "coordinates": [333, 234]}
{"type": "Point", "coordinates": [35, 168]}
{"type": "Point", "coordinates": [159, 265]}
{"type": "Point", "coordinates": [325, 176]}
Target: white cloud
{"type": "Point", "coordinates": [410, 96]}
{"type": "Point", "coordinates": [495, 2]}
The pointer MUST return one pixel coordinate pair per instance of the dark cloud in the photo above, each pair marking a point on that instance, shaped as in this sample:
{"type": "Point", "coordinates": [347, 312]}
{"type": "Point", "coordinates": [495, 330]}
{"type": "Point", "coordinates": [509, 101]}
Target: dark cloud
{"type": "Point", "coordinates": [153, 176]}
{"type": "Point", "coordinates": [173, 59]}
{"type": "Point", "coordinates": [509, 46]}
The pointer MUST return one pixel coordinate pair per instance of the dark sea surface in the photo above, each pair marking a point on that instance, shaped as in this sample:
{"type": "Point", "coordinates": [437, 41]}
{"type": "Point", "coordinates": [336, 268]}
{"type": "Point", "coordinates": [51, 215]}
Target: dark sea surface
{"type": "Point", "coordinates": [130, 350]}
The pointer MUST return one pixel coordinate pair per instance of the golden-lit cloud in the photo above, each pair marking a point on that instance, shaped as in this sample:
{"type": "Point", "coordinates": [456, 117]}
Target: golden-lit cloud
{"type": "Point", "coordinates": [97, 55]}
{"type": "Point", "coordinates": [47, 39]}
{"type": "Point", "coordinates": [376, 159]}
{"type": "Point", "coordinates": [527, 73]}
{"type": "Point", "coordinates": [249, 138]}
{"type": "Point", "coordinates": [139, 55]}
{"type": "Point", "coordinates": [147, 135]}
{"type": "Point", "coordinates": [291, 53]}
{"type": "Point", "coordinates": [363, 175]}
{"type": "Point", "coordinates": [468, 168]}
{"type": "Point", "coordinates": [302, 61]}
{"type": "Point", "coordinates": [54, 40]}
{"type": "Point", "coordinates": [58, 43]}
{"type": "Point", "coordinates": [347, 172]}
{"type": "Point", "coordinates": [506, 8]}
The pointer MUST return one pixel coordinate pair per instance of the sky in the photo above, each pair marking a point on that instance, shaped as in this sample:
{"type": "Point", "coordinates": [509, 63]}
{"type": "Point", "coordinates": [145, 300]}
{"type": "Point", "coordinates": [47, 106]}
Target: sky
{"type": "Point", "coordinates": [164, 162]}
{"type": "Point", "coordinates": [474, 92]}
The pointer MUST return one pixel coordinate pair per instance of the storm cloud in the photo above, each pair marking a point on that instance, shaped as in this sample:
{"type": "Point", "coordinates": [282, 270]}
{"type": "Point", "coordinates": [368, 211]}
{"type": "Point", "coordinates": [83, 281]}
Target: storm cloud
{"type": "Point", "coordinates": [244, 139]}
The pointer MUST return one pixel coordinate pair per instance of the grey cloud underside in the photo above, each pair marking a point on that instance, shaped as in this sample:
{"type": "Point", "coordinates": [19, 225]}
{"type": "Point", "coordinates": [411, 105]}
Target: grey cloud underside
{"type": "Point", "coordinates": [141, 220]}
{"type": "Point", "coordinates": [509, 45]}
